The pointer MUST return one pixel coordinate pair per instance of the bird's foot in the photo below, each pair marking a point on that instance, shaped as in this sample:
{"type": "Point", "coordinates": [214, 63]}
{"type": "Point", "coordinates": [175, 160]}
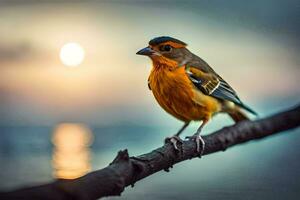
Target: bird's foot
{"type": "Point", "coordinates": [200, 144]}
{"type": "Point", "coordinates": [174, 140]}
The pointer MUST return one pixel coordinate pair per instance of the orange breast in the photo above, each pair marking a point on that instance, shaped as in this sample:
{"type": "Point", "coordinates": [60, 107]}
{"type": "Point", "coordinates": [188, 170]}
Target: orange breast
{"type": "Point", "coordinates": [176, 94]}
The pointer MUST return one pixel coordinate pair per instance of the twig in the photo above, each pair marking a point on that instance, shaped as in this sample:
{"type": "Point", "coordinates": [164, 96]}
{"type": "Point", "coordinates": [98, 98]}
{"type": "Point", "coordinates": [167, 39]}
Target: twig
{"type": "Point", "coordinates": [125, 170]}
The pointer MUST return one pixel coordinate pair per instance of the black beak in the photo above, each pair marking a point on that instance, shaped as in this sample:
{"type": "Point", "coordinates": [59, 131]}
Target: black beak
{"type": "Point", "coordinates": [147, 51]}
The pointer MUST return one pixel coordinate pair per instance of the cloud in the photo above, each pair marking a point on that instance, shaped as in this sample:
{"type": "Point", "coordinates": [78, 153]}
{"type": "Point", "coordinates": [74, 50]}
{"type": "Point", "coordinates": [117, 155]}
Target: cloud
{"type": "Point", "coordinates": [15, 52]}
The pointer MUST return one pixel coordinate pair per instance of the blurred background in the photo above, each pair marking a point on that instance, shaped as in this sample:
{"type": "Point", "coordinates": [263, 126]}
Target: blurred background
{"type": "Point", "coordinates": [73, 92]}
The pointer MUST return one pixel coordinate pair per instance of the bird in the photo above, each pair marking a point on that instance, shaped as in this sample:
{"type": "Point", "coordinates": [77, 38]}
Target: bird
{"type": "Point", "coordinates": [186, 87]}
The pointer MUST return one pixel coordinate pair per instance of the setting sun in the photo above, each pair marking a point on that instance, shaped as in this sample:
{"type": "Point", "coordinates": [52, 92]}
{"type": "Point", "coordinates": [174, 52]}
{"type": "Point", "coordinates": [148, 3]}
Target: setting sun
{"type": "Point", "coordinates": [72, 54]}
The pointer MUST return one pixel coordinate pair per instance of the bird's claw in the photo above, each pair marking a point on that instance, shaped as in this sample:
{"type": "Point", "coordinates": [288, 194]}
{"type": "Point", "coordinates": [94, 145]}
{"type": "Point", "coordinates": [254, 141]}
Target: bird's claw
{"type": "Point", "coordinates": [200, 144]}
{"type": "Point", "coordinates": [174, 140]}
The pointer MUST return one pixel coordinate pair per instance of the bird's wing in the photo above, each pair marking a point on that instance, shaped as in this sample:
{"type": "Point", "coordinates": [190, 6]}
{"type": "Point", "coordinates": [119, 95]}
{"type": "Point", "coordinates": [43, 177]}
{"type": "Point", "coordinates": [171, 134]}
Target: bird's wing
{"type": "Point", "coordinates": [210, 83]}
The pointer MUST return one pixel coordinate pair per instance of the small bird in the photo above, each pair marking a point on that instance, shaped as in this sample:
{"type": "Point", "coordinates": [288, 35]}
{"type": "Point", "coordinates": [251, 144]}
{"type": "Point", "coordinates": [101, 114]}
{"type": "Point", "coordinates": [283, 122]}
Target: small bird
{"type": "Point", "coordinates": [186, 87]}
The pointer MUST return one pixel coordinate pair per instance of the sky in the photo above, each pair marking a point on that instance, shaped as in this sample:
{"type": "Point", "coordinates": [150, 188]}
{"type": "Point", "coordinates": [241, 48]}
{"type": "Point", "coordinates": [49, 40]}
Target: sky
{"type": "Point", "coordinates": [253, 45]}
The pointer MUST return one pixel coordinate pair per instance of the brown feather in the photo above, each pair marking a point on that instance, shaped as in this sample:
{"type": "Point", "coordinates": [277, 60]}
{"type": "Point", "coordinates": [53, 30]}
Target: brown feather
{"type": "Point", "coordinates": [237, 115]}
{"type": "Point", "coordinates": [177, 95]}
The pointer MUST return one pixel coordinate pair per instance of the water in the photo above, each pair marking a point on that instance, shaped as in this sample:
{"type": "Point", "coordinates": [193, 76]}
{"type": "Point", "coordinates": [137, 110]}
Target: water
{"type": "Point", "coordinates": [265, 169]}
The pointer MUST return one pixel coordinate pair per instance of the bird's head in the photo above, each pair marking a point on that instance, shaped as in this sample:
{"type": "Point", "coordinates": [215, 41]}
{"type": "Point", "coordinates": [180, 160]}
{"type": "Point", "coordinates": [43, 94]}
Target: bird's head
{"type": "Point", "coordinates": [166, 49]}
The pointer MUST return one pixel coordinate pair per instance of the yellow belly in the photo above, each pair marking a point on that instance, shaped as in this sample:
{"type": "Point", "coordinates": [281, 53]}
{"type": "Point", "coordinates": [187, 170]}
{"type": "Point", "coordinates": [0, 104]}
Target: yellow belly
{"type": "Point", "coordinates": [177, 95]}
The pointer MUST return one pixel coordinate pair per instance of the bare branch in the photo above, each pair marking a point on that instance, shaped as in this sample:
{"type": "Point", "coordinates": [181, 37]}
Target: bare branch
{"type": "Point", "coordinates": [125, 170]}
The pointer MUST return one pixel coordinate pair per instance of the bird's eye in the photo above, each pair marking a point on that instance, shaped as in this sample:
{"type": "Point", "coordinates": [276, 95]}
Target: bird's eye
{"type": "Point", "coordinates": [165, 48]}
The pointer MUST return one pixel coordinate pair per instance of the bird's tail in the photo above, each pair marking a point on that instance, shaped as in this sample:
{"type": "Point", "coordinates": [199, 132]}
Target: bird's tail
{"type": "Point", "coordinates": [248, 109]}
{"type": "Point", "coordinates": [237, 115]}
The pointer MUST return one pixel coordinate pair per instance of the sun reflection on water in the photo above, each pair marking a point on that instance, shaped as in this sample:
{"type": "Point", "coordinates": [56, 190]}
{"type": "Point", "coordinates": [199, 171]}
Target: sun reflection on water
{"type": "Point", "coordinates": [71, 154]}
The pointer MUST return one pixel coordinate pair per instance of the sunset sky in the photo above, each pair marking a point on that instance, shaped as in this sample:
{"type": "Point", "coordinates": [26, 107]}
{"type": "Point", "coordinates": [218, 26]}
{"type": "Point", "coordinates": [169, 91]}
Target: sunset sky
{"type": "Point", "coordinates": [255, 49]}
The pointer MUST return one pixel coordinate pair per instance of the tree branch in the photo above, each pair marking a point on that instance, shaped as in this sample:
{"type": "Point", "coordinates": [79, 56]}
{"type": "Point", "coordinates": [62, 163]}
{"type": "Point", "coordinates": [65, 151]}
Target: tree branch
{"type": "Point", "coordinates": [125, 170]}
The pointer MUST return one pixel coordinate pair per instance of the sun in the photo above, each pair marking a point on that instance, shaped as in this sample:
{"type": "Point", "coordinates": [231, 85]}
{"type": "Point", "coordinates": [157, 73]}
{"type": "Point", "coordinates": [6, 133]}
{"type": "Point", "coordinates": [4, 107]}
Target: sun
{"type": "Point", "coordinates": [72, 54]}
